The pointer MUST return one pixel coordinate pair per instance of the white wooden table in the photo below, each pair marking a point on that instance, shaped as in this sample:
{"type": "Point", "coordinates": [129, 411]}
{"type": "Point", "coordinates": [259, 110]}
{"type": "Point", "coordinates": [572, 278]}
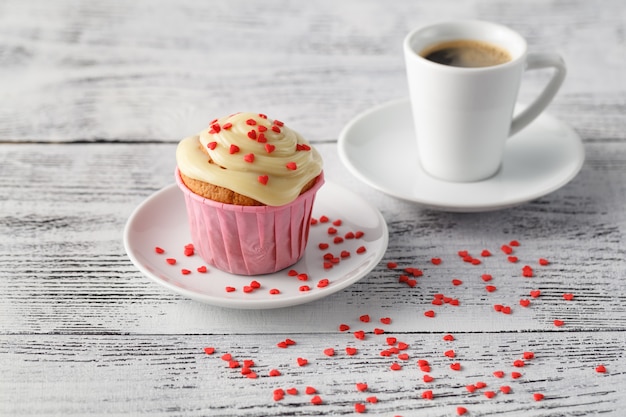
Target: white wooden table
{"type": "Point", "coordinates": [94, 97]}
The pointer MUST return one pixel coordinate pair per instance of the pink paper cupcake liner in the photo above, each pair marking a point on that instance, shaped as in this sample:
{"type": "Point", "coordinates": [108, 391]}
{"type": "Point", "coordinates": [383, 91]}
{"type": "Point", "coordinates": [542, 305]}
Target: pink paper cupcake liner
{"type": "Point", "coordinates": [249, 240]}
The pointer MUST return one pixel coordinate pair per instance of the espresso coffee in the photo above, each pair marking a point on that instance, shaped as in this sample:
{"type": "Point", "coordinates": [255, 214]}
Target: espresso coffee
{"type": "Point", "coordinates": [466, 53]}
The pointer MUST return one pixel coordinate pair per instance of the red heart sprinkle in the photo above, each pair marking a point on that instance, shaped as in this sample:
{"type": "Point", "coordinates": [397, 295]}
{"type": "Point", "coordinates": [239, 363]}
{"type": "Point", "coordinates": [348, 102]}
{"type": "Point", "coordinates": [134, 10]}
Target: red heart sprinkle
{"type": "Point", "coordinates": [329, 352]}
{"type": "Point", "coordinates": [227, 357]}
{"type": "Point", "coordinates": [304, 288]}
{"type": "Point", "coordinates": [323, 246]}
{"type": "Point", "coordinates": [251, 122]}
{"type": "Point", "coordinates": [323, 283]}
{"type": "Point", "coordinates": [328, 265]}
{"type": "Point", "coordinates": [275, 129]}
{"type": "Point", "coordinates": [338, 222]}
{"type": "Point", "coordinates": [435, 261]}
{"type": "Point", "coordinates": [486, 277]}
{"type": "Point", "coordinates": [303, 277]}
{"type": "Point", "coordinates": [185, 271]}
{"type": "Point", "coordinates": [171, 261]}
{"type": "Point", "coordinates": [291, 166]}
{"type": "Point", "coordinates": [402, 346]}
{"type": "Point", "coordinates": [490, 394]}
{"type": "Point", "coordinates": [255, 284]}
{"type": "Point", "coordinates": [378, 331]}
{"type": "Point", "coordinates": [391, 341]}
{"type": "Point", "coordinates": [282, 345]}
{"type": "Point", "coordinates": [310, 390]}
{"type": "Point", "coordinates": [332, 231]}
{"type": "Point", "coordinates": [211, 145]}
{"type": "Point", "coordinates": [505, 389]}
{"type": "Point", "coordinates": [456, 282]}
{"type": "Point", "coordinates": [543, 262]}
{"type": "Point", "coordinates": [515, 375]}
{"type": "Point", "coordinates": [524, 302]}
{"type": "Point", "coordinates": [249, 157]}
{"type": "Point", "coordinates": [274, 291]}
{"type": "Point", "coordinates": [227, 126]}
{"type": "Point", "coordinates": [450, 353]}
{"type": "Point", "coordinates": [159, 250]}
{"type": "Point", "coordinates": [506, 310]}
{"type": "Point", "coordinates": [359, 407]}
{"type": "Point", "coordinates": [519, 363]}
{"type": "Point", "coordinates": [343, 327]}
{"type": "Point", "coordinates": [512, 259]}
{"type": "Point", "coordinates": [279, 394]}
{"type": "Point", "coordinates": [461, 410]}
{"type": "Point", "coordinates": [202, 269]}
{"type": "Point", "coordinates": [480, 384]}
{"type": "Point", "coordinates": [429, 313]}
{"type": "Point", "coordinates": [425, 368]}
{"type": "Point", "coordinates": [506, 249]}
{"type": "Point", "coordinates": [316, 400]}
{"type": "Point", "coordinates": [337, 240]}
{"type": "Point", "coordinates": [463, 253]}
{"type": "Point", "coordinates": [351, 351]}
{"type": "Point", "coordinates": [269, 147]}
{"type": "Point", "coordinates": [601, 369]}
{"type": "Point", "coordinates": [349, 235]}
{"type": "Point", "coordinates": [448, 338]}
{"type": "Point", "coordinates": [403, 356]}
{"type": "Point", "coordinates": [302, 361]}
{"type": "Point", "coordinates": [252, 134]}
{"type": "Point", "coordinates": [427, 395]}
{"type": "Point", "coordinates": [498, 307]}
{"type": "Point", "coordinates": [498, 374]}
{"type": "Point", "coordinates": [559, 323]}
{"type": "Point", "coordinates": [385, 320]}
{"type": "Point", "coordinates": [292, 391]}
{"type": "Point", "coordinates": [535, 293]}
{"type": "Point", "coordinates": [471, 387]}
{"type": "Point", "coordinates": [390, 265]}
{"type": "Point", "coordinates": [455, 366]}
{"type": "Point", "coordinates": [274, 372]}
{"type": "Point", "coordinates": [371, 400]}
{"type": "Point", "coordinates": [538, 396]}
{"type": "Point", "coordinates": [231, 289]}
{"type": "Point", "coordinates": [365, 318]}
{"type": "Point", "coordinates": [490, 288]}
{"type": "Point", "coordinates": [278, 123]}
{"type": "Point", "coordinates": [263, 179]}
{"type": "Point", "coordinates": [360, 250]}
{"type": "Point", "coordinates": [361, 386]}
{"type": "Point", "coordinates": [233, 149]}
{"type": "Point", "coordinates": [485, 253]}
{"type": "Point", "coordinates": [359, 334]}
{"type": "Point", "coordinates": [324, 219]}
{"type": "Point", "coordinates": [528, 355]}
{"type": "Point", "coordinates": [428, 378]}
{"type": "Point", "coordinates": [395, 366]}
{"type": "Point", "coordinates": [411, 283]}
{"type": "Point", "coordinates": [568, 296]}
{"type": "Point", "coordinates": [248, 289]}
{"type": "Point", "coordinates": [209, 350]}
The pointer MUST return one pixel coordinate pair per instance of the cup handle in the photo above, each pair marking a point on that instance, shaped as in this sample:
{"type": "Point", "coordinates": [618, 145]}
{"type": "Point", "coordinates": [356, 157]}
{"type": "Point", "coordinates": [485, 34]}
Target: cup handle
{"type": "Point", "coordinates": [539, 61]}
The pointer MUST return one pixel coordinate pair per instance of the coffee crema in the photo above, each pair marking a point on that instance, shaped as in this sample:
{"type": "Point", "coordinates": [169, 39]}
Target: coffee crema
{"type": "Point", "coordinates": [466, 53]}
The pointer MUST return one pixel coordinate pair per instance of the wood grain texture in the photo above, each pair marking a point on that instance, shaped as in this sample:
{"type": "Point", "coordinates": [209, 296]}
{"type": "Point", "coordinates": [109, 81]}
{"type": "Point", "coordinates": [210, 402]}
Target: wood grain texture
{"type": "Point", "coordinates": [73, 70]}
{"type": "Point", "coordinates": [95, 95]}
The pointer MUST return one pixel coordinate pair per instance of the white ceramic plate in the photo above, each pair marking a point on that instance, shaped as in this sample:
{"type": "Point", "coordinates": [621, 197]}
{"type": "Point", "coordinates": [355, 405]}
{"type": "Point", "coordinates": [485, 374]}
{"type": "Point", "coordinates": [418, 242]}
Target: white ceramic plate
{"type": "Point", "coordinates": [379, 148]}
{"type": "Point", "coordinates": [161, 221]}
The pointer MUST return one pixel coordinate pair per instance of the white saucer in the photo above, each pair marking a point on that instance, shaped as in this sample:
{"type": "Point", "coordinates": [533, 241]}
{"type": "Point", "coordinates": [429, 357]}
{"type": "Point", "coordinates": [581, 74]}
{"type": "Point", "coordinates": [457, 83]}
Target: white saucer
{"type": "Point", "coordinates": [379, 148]}
{"type": "Point", "coordinates": [161, 221]}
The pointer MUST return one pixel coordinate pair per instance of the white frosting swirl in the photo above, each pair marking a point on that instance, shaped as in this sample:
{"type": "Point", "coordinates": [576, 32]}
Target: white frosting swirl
{"type": "Point", "coordinates": [252, 155]}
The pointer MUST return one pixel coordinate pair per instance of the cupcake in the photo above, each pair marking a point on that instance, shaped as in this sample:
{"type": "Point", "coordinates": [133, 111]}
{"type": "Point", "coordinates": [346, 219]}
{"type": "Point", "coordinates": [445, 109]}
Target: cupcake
{"type": "Point", "coordinates": [249, 184]}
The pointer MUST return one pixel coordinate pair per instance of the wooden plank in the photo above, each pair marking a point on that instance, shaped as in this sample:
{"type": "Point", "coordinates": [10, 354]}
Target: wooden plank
{"type": "Point", "coordinates": [64, 269]}
{"type": "Point", "coordinates": [120, 71]}
{"type": "Point", "coordinates": [171, 375]}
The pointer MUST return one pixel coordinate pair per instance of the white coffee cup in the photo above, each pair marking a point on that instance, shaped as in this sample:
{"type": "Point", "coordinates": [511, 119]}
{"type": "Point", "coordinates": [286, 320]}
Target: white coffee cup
{"type": "Point", "coordinates": [463, 116]}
